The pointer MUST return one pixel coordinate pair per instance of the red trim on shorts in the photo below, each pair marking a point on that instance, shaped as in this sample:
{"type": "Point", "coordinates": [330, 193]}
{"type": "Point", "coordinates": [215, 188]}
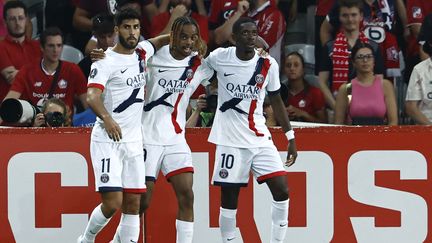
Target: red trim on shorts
{"type": "Point", "coordinates": [179, 171]}
{"type": "Point", "coordinates": [261, 179]}
{"type": "Point", "coordinates": [135, 190]}
{"type": "Point", "coordinates": [95, 85]}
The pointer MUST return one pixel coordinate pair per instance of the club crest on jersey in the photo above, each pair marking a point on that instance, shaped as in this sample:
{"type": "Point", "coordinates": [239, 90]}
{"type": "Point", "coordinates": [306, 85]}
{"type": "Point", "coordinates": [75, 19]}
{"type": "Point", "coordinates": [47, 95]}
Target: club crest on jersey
{"type": "Point", "coordinates": [104, 178]}
{"type": "Point", "coordinates": [223, 173]}
{"type": "Point", "coordinates": [93, 72]}
{"type": "Point", "coordinates": [259, 78]}
{"type": "Point", "coordinates": [62, 84]}
{"type": "Point", "coordinates": [189, 73]}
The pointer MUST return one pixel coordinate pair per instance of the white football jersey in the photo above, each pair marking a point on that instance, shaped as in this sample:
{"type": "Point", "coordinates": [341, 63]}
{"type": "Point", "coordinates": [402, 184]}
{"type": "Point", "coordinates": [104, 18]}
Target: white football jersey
{"type": "Point", "coordinates": [242, 85]}
{"type": "Point", "coordinates": [122, 79]}
{"type": "Point", "coordinates": [170, 84]}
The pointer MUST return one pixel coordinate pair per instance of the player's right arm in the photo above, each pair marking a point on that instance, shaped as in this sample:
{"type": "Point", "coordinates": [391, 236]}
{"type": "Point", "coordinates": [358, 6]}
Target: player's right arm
{"type": "Point", "coordinates": [94, 100]}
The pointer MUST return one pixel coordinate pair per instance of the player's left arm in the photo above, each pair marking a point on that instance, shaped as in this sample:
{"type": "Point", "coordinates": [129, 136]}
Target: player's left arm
{"type": "Point", "coordinates": [281, 116]}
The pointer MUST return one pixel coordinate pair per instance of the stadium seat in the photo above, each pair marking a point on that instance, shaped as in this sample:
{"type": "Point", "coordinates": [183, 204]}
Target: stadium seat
{"type": "Point", "coordinates": [296, 31]}
{"type": "Point", "coordinates": [308, 53]}
{"type": "Point", "coordinates": [71, 54]}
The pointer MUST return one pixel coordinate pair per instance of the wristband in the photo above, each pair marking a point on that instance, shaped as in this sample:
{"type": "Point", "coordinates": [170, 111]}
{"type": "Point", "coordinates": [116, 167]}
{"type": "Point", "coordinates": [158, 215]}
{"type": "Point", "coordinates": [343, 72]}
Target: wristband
{"type": "Point", "coordinates": [290, 134]}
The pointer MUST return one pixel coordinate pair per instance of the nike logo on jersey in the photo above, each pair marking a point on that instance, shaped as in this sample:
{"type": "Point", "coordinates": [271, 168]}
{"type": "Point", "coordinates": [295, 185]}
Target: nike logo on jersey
{"type": "Point", "coordinates": [283, 225]}
{"type": "Point", "coordinates": [133, 241]}
{"type": "Point", "coordinates": [228, 74]}
{"type": "Point", "coordinates": [122, 71]}
{"type": "Point", "coordinates": [230, 239]}
{"type": "Point", "coordinates": [162, 71]}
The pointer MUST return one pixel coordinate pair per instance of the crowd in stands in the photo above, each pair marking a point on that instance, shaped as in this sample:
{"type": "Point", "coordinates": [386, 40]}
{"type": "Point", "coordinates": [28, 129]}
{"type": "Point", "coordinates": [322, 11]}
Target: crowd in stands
{"type": "Point", "coordinates": [371, 65]}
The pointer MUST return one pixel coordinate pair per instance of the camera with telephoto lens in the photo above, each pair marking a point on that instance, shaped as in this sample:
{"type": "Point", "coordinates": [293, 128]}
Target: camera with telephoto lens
{"type": "Point", "coordinates": [211, 101]}
{"type": "Point", "coordinates": [18, 111]}
{"type": "Point", "coordinates": [54, 119]}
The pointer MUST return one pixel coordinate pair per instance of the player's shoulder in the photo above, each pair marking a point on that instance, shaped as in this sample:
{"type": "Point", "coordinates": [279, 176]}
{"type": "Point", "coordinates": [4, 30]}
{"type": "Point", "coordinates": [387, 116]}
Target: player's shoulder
{"type": "Point", "coordinates": [222, 52]}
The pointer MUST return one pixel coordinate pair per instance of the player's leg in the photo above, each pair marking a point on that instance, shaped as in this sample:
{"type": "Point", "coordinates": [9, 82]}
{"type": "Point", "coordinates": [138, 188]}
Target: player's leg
{"type": "Point", "coordinates": [178, 169]}
{"type": "Point", "coordinates": [152, 160]}
{"type": "Point", "coordinates": [231, 171]}
{"type": "Point", "coordinates": [107, 169]}
{"type": "Point", "coordinates": [182, 185]}
{"type": "Point", "coordinates": [133, 178]}
{"type": "Point", "coordinates": [268, 167]}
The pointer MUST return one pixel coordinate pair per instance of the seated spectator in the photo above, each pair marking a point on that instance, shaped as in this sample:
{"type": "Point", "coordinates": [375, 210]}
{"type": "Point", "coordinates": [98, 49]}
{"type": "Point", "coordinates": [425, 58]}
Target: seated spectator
{"type": "Point", "coordinates": [378, 18]}
{"type": "Point", "coordinates": [368, 99]}
{"type": "Point", "coordinates": [335, 68]}
{"type": "Point", "coordinates": [103, 31]}
{"type": "Point", "coordinates": [16, 49]}
{"type": "Point", "coordinates": [418, 102]}
{"type": "Point", "coordinates": [305, 102]}
{"type": "Point", "coordinates": [53, 114]}
{"type": "Point", "coordinates": [270, 21]}
{"type": "Point", "coordinates": [162, 23]}
{"type": "Point", "coordinates": [50, 77]}
{"type": "Point", "coordinates": [205, 110]}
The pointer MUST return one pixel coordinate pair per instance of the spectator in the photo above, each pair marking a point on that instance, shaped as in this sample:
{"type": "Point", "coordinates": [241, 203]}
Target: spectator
{"type": "Point", "coordinates": [16, 49]}
{"type": "Point", "coordinates": [323, 8]}
{"type": "Point", "coordinates": [197, 5]}
{"type": "Point", "coordinates": [305, 103]}
{"type": "Point", "coordinates": [416, 11]}
{"type": "Point", "coordinates": [372, 100]}
{"type": "Point", "coordinates": [50, 77]}
{"type": "Point", "coordinates": [103, 31]}
{"type": "Point", "coordinates": [161, 23]}
{"type": "Point", "coordinates": [418, 103]}
{"type": "Point", "coordinates": [205, 110]}
{"type": "Point", "coordinates": [53, 114]}
{"type": "Point", "coordinates": [378, 18]}
{"type": "Point", "coordinates": [335, 68]}
{"type": "Point", "coordinates": [270, 21]}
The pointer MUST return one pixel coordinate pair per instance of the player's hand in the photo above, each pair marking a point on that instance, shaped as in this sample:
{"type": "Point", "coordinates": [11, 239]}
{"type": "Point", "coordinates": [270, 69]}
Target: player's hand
{"type": "Point", "coordinates": [201, 102]}
{"type": "Point", "coordinates": [97, 54]}
{"type": "Point", "coordinates": [113, 129]}
{"type": "Point", "coordinates": [292, 153]}
{"type": "Point", "coordinates": [39, 120]}
{"type": "Point", "coordinates": [242, 7]}
{"type": "Point", "coordinates": [179, 11]}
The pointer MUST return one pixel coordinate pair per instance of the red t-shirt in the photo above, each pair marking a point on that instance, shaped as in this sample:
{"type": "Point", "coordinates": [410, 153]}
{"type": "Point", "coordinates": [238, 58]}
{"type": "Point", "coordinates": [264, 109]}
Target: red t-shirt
{"type": "Point", "coordinates": [220, 11]}
{"type": "Point", "coordinates": [17, 55]}
{"type": "Point", "coordinates": [161, 20]}
{"type": "Point", "coordinates": [323, 7]}
{"type": "Point", "coordinates": [34, 84]}
{"type": "Point", "coordinates": [416, 11]}
{"type": "Point", "coordinates": [310, 101]}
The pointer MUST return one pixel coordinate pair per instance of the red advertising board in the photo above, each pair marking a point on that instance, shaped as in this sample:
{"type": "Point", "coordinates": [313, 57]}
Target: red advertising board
{"type": "Point", "coordinates": [350, 184]}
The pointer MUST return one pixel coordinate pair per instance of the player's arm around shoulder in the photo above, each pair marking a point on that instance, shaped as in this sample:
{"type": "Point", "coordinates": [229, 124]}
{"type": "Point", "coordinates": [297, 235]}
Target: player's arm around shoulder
{"type": "Point", "coordinates": [159, 41]}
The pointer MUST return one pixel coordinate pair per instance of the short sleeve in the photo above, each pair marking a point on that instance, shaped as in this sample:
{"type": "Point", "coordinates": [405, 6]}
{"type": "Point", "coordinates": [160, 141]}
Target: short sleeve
{"type": "Point", "coordinates": [148, 47]}
{"type": "Point", "coordinates": [415, 12]}
{"type": "Point", "coordinates": [273, 77]}
{"type": "Point", "coordinates": [414, 91]}
{"type": "Point", "coordinates": [99, 75]}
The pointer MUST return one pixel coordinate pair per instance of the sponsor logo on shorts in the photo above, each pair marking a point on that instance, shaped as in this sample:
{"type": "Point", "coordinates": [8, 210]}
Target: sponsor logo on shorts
{"type": "Point", "coordinates": [104, 178]}
{"type": "Point", "coordinates": [223, 173]}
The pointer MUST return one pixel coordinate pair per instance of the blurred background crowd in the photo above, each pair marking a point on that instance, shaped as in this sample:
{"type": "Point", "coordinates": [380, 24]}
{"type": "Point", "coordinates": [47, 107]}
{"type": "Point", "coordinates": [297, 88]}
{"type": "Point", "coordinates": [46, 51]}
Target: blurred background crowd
{"type": "Point", "coordinates": [353, 62]}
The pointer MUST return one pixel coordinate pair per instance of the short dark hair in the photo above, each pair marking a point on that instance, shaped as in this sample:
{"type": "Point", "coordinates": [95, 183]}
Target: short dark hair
{"type": "Point", "coordinates": [50, 31]}
{"type": "Point", "coordinates": [13, 4]}
{"type": "Point", "coordinates": [359, 45]}
{"type": "Point", "coordinates": [351, 4]}
{"type": "Point", "coordinates": [103, 24]}
{"type": "Point", "coordinates": [124, 14]}
{"type": "Point", "coordinates": [237, 25]}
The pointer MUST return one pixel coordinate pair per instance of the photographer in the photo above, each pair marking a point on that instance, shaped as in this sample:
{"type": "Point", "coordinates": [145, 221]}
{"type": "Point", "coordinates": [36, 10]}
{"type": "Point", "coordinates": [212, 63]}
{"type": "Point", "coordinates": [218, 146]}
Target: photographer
{"type": "Point", "coordinates": [53, 114]}
{"type": "Point", "coordinates": [204, 113]}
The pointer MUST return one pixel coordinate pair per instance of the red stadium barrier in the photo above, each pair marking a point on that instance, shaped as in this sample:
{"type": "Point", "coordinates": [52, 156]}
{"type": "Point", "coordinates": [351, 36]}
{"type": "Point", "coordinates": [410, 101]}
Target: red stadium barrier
{"type": "Point", "coordinates": [367, 184]}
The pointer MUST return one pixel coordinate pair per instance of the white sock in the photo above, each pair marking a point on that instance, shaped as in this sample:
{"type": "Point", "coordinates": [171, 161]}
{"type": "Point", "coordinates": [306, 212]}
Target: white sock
{"type": "Point", "coordinates": [279, 213]}
{"type": "Point", "coordinates": [96, 223]}
{"type": "Point", "coordinates": [128, 229]}
{"type": "Point", "coordinates": [227, 224]}
{"type": "Point", "coordinates": [184, 231]}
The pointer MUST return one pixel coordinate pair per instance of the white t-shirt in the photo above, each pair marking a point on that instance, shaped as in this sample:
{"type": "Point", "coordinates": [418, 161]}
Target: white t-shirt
{"type": "Point", "coordinates": [420, 87]}
{"type": "Point", "coordinates": [170, 84]}
{"type": "Point", "coordinates": [242, 85]}
{"type": "Point", "coordinates": [122, 79]}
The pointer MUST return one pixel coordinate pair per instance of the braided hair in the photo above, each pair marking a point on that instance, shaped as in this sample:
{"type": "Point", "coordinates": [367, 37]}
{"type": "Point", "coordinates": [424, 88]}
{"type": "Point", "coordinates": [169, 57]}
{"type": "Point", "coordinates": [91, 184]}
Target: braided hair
{"type": "Point", "coordinates": [199, 46]}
